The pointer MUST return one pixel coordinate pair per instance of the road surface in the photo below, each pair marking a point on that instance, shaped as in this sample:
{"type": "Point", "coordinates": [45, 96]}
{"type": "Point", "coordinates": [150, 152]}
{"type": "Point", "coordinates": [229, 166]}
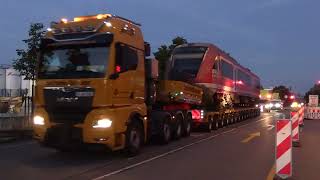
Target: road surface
{"type": "Point", "coordinates": [241, 151]}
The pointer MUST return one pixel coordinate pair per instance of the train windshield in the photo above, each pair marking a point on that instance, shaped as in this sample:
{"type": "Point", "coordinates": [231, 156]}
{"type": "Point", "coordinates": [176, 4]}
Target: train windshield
{"type": "Point", "coordinates": [73, 62]}
{"type": "Point", "coordinates": [186, 61]}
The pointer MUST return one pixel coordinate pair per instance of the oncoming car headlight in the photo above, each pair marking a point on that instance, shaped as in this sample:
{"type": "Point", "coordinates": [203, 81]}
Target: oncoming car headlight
{"type": "Point", "coordinates": [38, 120]}
{"type": "Point", "coordinates": [277, 105]}
{"type": "Point", "coordinates": [102, 123]}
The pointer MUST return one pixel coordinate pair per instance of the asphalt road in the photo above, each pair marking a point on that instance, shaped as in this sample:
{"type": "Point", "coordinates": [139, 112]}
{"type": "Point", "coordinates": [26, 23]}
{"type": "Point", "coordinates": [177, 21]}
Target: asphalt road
{"type": "Point", "coordinates": [241, 151]}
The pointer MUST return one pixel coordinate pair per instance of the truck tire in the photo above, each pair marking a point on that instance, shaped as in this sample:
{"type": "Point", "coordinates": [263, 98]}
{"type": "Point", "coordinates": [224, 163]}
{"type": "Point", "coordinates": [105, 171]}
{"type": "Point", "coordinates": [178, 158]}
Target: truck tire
{"type": "Point", "coordinates": [187, 126]}
{"type": "Point", "coordinates": [178, 127]}
{"type": "Point", "coordinates": [165, 132]}
{"type": "Point", "coordinates": [221, 122]}
{"type": "Point", "coordinates": [215, 123]}
{"type": "Point", "coordinates": [134, 138]}
{"type": "Point", "coordinates": [208, 126]}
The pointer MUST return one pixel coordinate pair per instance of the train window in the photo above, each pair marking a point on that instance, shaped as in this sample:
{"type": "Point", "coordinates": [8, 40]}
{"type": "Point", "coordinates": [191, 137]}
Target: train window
{"type": "Point", "coordinates": [244, 77]}
{"type": "Point", "coordinates": [257, 84]}
{"type": "Point", "coordinates": [190, 50]}
{"type": "Point", "coordinates": [227, 70]}
{"type": "Point", "coordinates": [216, 65]}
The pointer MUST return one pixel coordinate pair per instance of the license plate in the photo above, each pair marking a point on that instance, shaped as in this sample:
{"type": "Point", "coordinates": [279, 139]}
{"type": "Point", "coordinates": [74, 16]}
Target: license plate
{"type": "Point", "coordinates": [84, 94]}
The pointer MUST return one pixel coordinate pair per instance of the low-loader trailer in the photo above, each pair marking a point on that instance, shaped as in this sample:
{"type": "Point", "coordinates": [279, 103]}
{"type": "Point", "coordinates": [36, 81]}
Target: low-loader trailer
{"type": "Point", "coordinates": [96, 86]}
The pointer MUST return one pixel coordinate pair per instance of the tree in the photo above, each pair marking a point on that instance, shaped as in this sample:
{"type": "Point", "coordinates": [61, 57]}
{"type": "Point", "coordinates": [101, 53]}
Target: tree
{"type": "Point", "coordinates": [26, 62]}
{"type": "Point", "coordinates": [282, 90]}
{"type": "Point", "coordinates": [315, 90]}
{"type": "Point", "coordinates": [164, 53]}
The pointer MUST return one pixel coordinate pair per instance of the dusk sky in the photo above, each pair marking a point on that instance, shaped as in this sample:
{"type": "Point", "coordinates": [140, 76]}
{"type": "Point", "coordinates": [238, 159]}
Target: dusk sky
{"type": "Point", "coordinates": [277, 39]}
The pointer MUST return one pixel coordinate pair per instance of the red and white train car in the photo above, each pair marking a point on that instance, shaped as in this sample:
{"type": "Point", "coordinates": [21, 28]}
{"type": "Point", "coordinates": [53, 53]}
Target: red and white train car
{"type": "Point", "coordinates": [207, 65]}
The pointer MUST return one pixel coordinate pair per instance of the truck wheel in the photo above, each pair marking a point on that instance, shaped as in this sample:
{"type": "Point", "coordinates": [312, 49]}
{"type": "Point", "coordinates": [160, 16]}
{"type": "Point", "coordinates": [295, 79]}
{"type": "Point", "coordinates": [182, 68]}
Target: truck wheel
{"type": "Point", "coordinates": [133, 138]}
{"type": "Point", "coordinates": [221, 124]}
{"type": "Point", "coordinates": [209, 125]}
{"type": "Point", "coordinates": [165, 134]}
{"type": "Point", "coordinates": [178, 128]}
{"type": "Point", "coordinates": [187, 126]}
{"type": "Point", "coordinates": [215, 124]}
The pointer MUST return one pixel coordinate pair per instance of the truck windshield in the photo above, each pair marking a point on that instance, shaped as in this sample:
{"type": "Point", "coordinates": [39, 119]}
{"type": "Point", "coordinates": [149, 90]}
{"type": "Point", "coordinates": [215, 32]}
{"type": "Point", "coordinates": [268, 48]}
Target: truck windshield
{"type": "Point", "coordinates": [73, 62]}
{"type": "Point", "coordinates": [186, 61]}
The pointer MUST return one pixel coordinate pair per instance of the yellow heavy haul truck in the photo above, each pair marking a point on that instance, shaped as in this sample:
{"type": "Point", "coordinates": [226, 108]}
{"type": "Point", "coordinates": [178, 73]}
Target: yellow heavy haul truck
{"type": "Point", "coordinates": [96, 86]}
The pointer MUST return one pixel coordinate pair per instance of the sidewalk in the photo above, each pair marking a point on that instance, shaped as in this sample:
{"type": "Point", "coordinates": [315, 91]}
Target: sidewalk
{"type": "Point", "coordinates": [306, 159]}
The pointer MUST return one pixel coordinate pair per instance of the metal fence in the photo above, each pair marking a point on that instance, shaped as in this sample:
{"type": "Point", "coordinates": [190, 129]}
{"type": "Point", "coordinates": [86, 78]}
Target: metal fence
{"type": "Point", "coordinates": [13, 92]}
{"type": "Point", "coordinates": [17, 119]}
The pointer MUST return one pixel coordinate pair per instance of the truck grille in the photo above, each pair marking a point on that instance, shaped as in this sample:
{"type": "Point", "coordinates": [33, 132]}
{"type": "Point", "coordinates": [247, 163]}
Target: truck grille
{"type": "Point", "coordinates": [68, 105]}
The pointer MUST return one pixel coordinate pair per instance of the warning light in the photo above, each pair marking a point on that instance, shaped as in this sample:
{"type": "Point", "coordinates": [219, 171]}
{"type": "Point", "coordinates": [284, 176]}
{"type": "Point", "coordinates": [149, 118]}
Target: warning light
{"type": "Point", "coordinates": [269, 96]}
{"type": "Point", "coordinates": [118, 69]}
{"type": "Point", "coordinates": [64, 20]}
{"type": "Point", "coordinates": [239, 82]}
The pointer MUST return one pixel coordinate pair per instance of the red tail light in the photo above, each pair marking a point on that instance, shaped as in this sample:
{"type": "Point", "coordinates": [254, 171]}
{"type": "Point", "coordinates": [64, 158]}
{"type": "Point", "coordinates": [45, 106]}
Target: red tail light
{"type": "Point", "coordinates": [118, 69]}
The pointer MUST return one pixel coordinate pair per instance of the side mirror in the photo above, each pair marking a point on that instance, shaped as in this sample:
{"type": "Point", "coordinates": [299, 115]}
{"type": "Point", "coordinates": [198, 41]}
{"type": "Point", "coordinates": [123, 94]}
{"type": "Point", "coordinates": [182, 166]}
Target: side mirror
{"type": "Point", "coordinates": [114, 76]}
{"type": "Point", "coordinates": [147, 49]}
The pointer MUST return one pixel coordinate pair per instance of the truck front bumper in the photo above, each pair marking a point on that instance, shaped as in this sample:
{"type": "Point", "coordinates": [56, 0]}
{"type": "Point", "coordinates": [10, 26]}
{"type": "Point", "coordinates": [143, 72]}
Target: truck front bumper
{"type": "Point", "coordinates": [58, 135]}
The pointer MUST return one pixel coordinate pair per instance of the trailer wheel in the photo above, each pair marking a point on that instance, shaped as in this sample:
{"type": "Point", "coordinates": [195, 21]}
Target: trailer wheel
{"type": "Point", "coordinates": [134, 138]}
{"type": "Point", "coordinates": [226, 120]}
{"type": "Point", "coordinates": [187, 125]}
{"type": "Point", "coordinates": [208, 126]}
{"type": "Point", "coordinates": [215, 123]}
{"type": "Point", "coordinates": [165, 134]}
{"type": "Point", "coordinates": [221, 121]}
{"type": "Point", "coordinates": [178, 127]}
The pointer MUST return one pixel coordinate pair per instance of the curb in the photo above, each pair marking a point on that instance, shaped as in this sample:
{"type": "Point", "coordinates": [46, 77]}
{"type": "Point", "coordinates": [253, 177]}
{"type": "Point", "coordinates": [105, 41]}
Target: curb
{"type": "Point", "coordinates": [7, 139]}
{"type": "Point", "coordinates": [11, 136]}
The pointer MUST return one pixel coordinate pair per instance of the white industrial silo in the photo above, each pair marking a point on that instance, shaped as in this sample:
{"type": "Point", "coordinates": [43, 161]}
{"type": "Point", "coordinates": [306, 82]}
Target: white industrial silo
{"type": "Point", "coordinates": [2, 78]}
{"type": "Point", "coordinates": [2, 81]}
{"type": "Point", "coordinates": [13, 82]}
{"type": "Point", "coordinates": [26, 85]}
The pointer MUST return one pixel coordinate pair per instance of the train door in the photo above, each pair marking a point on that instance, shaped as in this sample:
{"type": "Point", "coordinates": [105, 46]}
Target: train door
{"type": "Point", "coordinates": [215, 70]}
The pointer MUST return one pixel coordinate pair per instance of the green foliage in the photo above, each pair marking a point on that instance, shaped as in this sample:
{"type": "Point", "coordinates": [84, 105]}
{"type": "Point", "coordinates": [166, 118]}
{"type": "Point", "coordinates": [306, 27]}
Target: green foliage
{"type": "Point", "coordinates": [164, 52]}
{"type": "Point", "coordinates": [315, 90]}
{"type": "Point", "coordinates": [26, 62]}
{"type": "Point", "coordinates": [282, 90]}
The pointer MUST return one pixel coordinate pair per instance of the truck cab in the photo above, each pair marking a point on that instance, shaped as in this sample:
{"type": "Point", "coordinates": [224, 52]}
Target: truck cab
{"type": "Point", "coordinates": [91, 83]}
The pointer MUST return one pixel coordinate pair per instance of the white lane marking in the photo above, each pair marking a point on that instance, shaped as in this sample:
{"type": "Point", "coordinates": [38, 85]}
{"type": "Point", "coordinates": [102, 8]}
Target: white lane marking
{"type": "Point", "coordinates": [197, 135]}
{"type": "Point", "coordinates": [270, 127]}
{"type": "Point", "coordinates": [160, 156]}
{"type": "Point", "coordinates": [254, 122]}
{"type": "Point", "coordinates": [173, 151]}
{"type": "Point", "coordinates": [17, 146]}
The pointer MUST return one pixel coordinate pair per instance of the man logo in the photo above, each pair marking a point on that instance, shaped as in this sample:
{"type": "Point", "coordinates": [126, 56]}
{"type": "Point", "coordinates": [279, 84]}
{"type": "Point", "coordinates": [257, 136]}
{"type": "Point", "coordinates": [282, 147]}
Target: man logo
{"type": "Point", "coordinates": [67, 100]}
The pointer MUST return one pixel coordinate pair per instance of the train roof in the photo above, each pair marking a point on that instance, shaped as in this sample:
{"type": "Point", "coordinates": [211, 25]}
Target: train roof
{"type": "Point", "coordinates": [227, 55]}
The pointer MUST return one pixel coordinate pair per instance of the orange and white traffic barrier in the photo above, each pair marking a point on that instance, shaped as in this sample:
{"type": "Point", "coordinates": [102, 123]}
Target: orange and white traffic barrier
{"type": "Point", "coordinates": [295, 117]}
{"type": "Point", "coordinates": [312, 113]}
{"type": "Point", "coordinates": [284, 148]}
{"type": "Point", "coordinates": [301, 116]}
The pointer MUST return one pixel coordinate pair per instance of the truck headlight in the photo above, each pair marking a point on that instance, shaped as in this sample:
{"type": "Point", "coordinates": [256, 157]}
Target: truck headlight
{"type": "Point", "coordinates": [38, 120]}
{"type": "Point", "coordinates": [103, 123]}
{"type": "Point", "coordinates": [278, 105]}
